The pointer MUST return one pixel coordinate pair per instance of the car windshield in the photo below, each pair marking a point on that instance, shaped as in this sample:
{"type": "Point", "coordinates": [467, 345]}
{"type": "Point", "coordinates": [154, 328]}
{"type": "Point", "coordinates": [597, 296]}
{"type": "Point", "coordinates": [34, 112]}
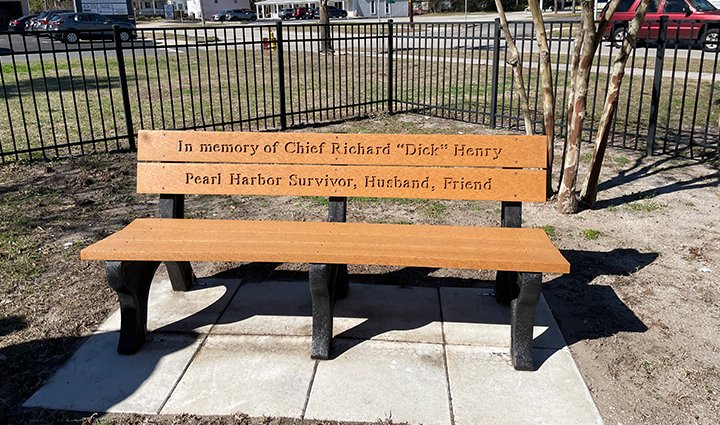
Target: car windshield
{"type": "Point", "coordinates": [61, 16]}
{"type": "Point", "coordinates": [703, 5]}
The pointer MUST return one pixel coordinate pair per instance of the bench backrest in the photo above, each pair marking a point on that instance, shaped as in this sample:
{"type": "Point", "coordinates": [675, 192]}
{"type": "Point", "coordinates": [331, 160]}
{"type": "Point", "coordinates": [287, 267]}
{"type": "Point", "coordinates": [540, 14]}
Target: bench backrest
{"type": "Point", "coordinates": [463, 167]}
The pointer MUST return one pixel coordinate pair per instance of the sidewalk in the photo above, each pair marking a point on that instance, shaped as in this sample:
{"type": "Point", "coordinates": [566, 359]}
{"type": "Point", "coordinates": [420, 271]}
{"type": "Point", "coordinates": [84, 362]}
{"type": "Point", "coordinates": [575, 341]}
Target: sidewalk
{"type": "Point", "coordinates": [415, 354]}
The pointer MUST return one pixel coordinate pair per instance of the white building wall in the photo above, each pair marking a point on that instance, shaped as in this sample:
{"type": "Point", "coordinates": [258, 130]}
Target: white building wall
{"type": "Point", "coordinates": [378, 8]}
{"type": "Point", "coordinates": [211, 7]}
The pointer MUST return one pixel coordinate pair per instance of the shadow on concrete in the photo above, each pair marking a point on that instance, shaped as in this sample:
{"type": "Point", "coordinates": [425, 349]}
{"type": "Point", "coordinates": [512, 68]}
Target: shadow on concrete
{"type": "Point", "coordinates": [582, 310]}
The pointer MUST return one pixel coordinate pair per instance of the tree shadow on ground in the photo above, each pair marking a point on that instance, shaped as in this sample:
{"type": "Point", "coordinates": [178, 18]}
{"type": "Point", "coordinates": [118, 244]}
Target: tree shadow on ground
{"type": "Point", "coordinates": [641, 170]}
{"type": "Point", "coordinates": [586, 311]}
{"type": "Point", "coordinates": [40, 87]}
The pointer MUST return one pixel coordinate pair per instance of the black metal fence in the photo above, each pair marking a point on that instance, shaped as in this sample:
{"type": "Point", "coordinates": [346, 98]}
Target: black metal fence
{"type": "Point", "coordinates": [71, 99]}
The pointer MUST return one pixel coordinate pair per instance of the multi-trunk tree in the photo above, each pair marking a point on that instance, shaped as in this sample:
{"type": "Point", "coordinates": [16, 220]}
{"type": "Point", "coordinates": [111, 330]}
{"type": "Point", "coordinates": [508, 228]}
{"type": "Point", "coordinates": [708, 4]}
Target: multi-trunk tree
{"type": "Point", "coordinates": [587, 38]}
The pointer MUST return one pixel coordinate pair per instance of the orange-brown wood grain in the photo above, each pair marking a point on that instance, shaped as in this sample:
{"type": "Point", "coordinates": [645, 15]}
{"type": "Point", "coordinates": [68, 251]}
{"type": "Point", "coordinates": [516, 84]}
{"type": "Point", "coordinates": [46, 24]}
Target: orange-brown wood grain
{"type": "Point", "coordinates": [353, 181]}
{"type": "Point", "coordinates": [468, 150]}
{"type": "Point", "coordinates": [342, 243]}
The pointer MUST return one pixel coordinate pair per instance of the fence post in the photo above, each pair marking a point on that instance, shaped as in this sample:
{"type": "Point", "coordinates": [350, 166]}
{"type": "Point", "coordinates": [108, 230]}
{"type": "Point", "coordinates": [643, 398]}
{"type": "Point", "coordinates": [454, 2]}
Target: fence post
{"type": "Point", "coordinates": [495, 74]}
{"type": "Point", "coordinates": [281, 74]}
{"type": "Point", "coordinates": [391, 77]}
{"type": "Point", "coordinates": [657, 84]}
{"type": "Point", "coordinates": [124, 87]}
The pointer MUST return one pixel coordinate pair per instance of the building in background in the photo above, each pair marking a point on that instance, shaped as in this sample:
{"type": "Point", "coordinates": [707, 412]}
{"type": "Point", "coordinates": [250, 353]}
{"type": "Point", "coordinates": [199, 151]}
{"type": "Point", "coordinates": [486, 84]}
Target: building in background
{"type": "Point", "coordinates": [157, 7]}
{"type": "Point", "coordinates": [380, 8]}
{"type": "Point", "coordinates": [11, 9]}
{"type": "Point", "coordinates": [196, 8]}
{"type": "Point", "coordinates": [269, 9]}
{"type": "Point", "coordinates": [121, 10]}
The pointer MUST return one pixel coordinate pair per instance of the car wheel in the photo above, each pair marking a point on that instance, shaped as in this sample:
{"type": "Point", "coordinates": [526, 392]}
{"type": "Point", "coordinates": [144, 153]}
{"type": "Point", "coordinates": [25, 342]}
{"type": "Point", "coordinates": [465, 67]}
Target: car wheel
{"type": "Point", "coordinates": [711, 40]}
{"type": "Point", "coordinates": [344, 15]}
{"type": "Point", "coordinates": [71, 38]}
{"type": "Point", "coordinates": [254, 18]}
{"type": "Point", "coordinates": [618, 36]}
{"type": "Point", "coordinates": [124, 36]}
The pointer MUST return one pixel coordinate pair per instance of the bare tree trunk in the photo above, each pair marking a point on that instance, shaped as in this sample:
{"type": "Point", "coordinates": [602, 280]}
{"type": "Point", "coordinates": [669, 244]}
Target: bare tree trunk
{"type": "Point", "coordinates": [325, 30]}
{"type": "Point", "coordinates": [567, 197]}
{"type": "Point", "coordinates": [513, 59]}
{"type": "Point", "coordinates": [548, 90]}
{"type": "Point", "coordinates": [577, 51]}
{"type": "Point", "coordinates": [591, 37]}
{"type": "Point", "coordinates": [588, 196]}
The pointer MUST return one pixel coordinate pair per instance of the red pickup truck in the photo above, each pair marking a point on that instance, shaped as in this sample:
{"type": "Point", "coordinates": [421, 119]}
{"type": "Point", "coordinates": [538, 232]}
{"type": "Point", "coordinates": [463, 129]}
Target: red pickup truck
{"type": "Point", "coordinates": [688, 20]}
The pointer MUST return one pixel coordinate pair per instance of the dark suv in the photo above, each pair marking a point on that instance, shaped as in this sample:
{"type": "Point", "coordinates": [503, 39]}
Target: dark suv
{"type": "Point", "coordinates": [71, 27]}
{"type": "Point", "coordinates": [220, 16]}
{"type": "Point", "coordinates": [241, 15]}
{"type": "Point", "coordinates": [333, 12]}
{"type": "Point", "coordinates": [688, 20]}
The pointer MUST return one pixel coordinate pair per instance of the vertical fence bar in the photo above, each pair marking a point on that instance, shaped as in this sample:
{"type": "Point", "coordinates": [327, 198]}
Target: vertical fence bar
{"type": "Point", "coordinates": [657, 85]}
{"type": "Point", "coordinates": [495, 73]}
{"type": "Point", "coordinates": [391, 77]}
{"type": "Point", "coordinates": [124, 86]}
{"type": "Point", "coordinates": [281, 73]}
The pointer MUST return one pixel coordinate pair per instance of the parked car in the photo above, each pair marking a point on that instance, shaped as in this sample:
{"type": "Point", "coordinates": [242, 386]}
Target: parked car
{"type": "Point", "coordinates": [302, 13]}
{"type": "Point", "coordinates": [71, 27]}
{"type": "Point", "coordinates": [18, 25]}
{"type": "Point", "coordinates": [286, 14]}
{"type": "Point", "coordinates": [41, 23]}
{"type": "Point", "coordinates": [241, 15]}
{"type": "Point", "coordinates": [688, 20]}
{"type": "Point", "coordinates": [220, 16]}
{"type": "Point", "coordinates": [333, 11]}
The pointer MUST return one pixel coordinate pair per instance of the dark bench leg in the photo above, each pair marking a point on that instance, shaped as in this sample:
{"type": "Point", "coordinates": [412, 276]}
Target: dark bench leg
{"type": "Point", "coordinates": [522, 311]}
{"type": "Point", "coordinates": [340, 278]}
{"type": "Point", "coordinates": [181, 275]}
{"type": "Point", "coordinates": [506, 287]}
{"type": "Point", "coordinates": [322, 309]}
{"type": "Point", "coordinates": [337, 212]}
{"type": "Point", "coordinates": [131, 281]}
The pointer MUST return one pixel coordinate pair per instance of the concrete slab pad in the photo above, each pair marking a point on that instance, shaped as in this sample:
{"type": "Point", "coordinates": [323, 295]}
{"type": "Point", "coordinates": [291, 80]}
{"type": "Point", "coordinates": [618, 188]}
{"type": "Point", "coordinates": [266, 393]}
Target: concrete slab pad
{"type": "Point", "coordinates": [486, 389]}
{"type": "Point", "coordinates": [378, 380]}
{"type": "Point", "coordinates": [268, 308]}
{"type": "Point", "coordinates": [98, 379]}
{"type": "Point", "coordinates": [389, 313]}
{"type": "Point", "coordinates": [255, 375]}
{"type": "Point", "coordinates": [192, 311]}
{"type": "Point", "coordinates": [473, 317]}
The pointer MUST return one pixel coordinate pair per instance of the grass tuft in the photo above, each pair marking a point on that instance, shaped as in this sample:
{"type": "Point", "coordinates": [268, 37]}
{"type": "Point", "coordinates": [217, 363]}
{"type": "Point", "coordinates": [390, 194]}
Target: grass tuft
{"type": "Point", "coordinates": [591, 234]}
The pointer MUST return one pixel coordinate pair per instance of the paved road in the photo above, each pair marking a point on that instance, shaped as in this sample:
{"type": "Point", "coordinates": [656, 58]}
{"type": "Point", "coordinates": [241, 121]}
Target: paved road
{"type": "Point", "coordinates": [176, 34]}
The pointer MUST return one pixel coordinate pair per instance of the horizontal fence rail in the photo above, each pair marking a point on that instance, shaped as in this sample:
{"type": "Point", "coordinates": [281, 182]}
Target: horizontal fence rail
{"type": "Point", "coordinates": [72, 99]}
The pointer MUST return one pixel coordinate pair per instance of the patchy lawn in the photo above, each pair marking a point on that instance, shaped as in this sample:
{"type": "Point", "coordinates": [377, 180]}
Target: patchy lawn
{"type": "Point", "coordinates": [640, 310]}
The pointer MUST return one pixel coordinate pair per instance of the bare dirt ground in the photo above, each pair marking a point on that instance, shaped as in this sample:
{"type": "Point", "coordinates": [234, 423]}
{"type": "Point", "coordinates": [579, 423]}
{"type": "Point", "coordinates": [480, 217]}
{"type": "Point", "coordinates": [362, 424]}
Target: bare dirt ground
{"type": "Point", "coordinates": [640, 310]}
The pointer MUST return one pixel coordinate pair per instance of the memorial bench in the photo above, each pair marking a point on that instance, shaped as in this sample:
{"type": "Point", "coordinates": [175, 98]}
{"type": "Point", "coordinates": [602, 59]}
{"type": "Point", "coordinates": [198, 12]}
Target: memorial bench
{"type": "Point", "coordinates": [173, 164]}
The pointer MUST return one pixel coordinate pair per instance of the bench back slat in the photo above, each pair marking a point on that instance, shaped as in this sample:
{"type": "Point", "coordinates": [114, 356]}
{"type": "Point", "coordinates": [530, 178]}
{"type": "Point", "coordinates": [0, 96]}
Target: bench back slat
{"type": "Point", "coordinates": [461, 167]}
{"type": "Point", "coordinates": [333, 180]}
{"type": "Point", "coordinates": [468, 150]}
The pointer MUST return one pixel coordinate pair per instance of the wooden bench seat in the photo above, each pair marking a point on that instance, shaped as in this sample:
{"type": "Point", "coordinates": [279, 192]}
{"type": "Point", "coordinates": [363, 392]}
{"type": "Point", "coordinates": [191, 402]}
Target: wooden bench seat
{"type": "Point", "coordinates": [510, 169]}
{"type": "Point", "coordinates": [156, 239]}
